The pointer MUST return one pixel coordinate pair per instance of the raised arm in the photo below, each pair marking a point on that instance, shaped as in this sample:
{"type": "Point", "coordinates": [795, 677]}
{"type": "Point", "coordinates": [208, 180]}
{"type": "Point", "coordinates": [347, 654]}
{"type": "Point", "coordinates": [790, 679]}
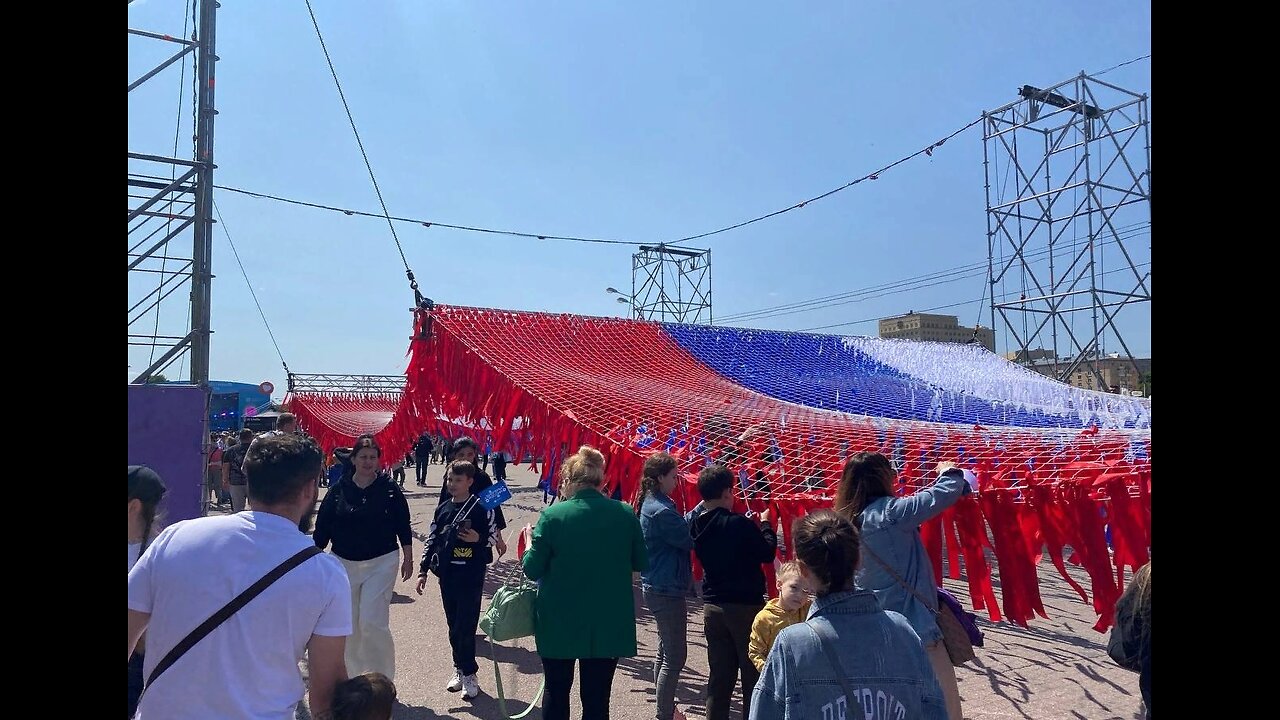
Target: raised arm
{"type": "Point", "coordinates": [923, 505]}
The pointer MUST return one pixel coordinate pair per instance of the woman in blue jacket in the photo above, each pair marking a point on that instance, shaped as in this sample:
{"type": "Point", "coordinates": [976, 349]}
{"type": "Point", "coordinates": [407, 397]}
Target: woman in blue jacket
{"type": "Point", "coordinates": [896, 567]}
{"type": "Point", "coordinates": [667, 581]}
{"type": "Point", "coordinates": [850, 658]}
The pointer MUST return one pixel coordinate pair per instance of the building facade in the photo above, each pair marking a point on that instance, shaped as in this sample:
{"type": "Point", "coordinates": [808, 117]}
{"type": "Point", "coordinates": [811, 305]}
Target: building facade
{"type": "Point", "coordinates": [1117, 373]}
{"type": "Point", "coordinates": [934, 328]}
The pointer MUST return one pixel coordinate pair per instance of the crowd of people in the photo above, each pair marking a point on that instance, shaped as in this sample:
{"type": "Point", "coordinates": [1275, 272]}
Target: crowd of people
{"type": "Point", "coordinates": [852, 631]}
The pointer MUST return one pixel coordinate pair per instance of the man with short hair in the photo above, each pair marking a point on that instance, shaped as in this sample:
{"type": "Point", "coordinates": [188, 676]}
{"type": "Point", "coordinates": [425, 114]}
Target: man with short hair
{"type": "Point", "coordinates": [286, 424]}
{"type": "Point", "coordinates": [731, 548]}
{"type": "Point", "coordinates": [233, 477]}
{"type": "Point", "coordinates": [247, 667]}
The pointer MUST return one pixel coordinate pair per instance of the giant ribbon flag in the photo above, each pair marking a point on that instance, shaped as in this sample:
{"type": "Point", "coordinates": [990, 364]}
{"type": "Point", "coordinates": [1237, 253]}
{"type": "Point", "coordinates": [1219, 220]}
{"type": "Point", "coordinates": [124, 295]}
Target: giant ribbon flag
{"type": "Point", "coordinates": [1057, 465]}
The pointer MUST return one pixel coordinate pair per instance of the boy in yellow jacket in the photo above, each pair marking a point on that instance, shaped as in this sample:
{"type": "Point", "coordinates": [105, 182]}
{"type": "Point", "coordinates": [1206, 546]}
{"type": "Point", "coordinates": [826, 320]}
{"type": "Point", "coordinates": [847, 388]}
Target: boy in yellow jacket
{"type": "Point", "coordinates": [790, 607]}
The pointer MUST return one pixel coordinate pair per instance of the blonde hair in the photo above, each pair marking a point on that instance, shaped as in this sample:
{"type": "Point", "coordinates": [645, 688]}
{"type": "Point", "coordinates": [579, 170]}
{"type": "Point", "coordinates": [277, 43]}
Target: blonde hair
{"type": "Point", "coordinates": [787, 569]}
{"type": "Point", "coordinates": [585, 467]}
{"type": "Point", "coordinates": [1140, 589]}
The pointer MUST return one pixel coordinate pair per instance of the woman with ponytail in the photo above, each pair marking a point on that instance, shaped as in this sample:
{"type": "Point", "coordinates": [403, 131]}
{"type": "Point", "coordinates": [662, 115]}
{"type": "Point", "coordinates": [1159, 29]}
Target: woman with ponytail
{"type": "Point", "coordinates": [669, 577]}
{"type": "Point", "coordinates": [146, 489]}
{"type": "Point", "coordinates": [850, 658]}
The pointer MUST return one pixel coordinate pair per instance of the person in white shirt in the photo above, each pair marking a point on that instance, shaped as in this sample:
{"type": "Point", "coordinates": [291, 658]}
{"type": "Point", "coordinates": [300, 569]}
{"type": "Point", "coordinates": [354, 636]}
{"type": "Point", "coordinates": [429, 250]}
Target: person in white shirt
{"type": "Point", "coordinates": [248, 666]}
{"type": "Point", "coordinates": [146, 489]}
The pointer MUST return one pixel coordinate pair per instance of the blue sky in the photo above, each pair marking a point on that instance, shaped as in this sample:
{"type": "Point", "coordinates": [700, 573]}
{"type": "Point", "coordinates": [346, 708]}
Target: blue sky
{"type": "Point", "coordinates": [638, 121]}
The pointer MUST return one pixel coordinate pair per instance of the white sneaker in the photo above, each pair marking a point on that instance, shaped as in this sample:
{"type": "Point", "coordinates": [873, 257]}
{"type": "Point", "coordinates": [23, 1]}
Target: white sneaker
{"type": "Point", "coordinates": [470, 688]}
{"type": "Point", "coordinates": [455, 683]}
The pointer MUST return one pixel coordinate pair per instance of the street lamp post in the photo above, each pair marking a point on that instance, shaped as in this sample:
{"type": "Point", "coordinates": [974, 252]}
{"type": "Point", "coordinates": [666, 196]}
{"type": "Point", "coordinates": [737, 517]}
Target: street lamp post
{"type": "Point", "coordinates": [624, 299]}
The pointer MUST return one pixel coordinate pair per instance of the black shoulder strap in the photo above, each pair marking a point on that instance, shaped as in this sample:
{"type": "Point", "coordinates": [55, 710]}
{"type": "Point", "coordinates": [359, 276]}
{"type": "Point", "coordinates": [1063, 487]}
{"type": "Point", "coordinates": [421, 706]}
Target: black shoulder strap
{"type": "Point", "coordinates": [230, 609]}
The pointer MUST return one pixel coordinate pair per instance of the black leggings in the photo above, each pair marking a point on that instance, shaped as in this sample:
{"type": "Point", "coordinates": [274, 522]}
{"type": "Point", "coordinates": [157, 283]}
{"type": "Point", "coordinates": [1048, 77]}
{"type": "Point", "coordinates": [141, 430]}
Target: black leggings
{"type": "Point", "coordinates": [597, 680]}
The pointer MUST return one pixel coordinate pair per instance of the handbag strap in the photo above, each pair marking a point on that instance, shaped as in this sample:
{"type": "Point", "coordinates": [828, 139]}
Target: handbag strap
{"type": "Point", "coordinates": [827, 639]}
{"type": "Point", "coordinates": [901, 581]}
{"type": "Point", "coordinates": [502, 699]}
{"type": "Point", "coordinates": [228, 610]}
{"type": "Point", "coordinates": [515, 575]}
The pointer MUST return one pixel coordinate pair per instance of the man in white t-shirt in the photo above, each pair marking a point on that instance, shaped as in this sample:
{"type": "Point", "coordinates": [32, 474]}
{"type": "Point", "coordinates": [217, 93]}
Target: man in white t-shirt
{"type": "Point", "coordinates": [248, 666]}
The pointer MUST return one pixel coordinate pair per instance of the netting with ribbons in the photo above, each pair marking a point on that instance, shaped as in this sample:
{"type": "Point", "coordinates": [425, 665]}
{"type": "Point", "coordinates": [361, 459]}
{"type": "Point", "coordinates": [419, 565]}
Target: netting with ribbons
{"type": "Point", "coordinates": [336, 420]}
{"type": "Point", "coordinates": [785, 410]}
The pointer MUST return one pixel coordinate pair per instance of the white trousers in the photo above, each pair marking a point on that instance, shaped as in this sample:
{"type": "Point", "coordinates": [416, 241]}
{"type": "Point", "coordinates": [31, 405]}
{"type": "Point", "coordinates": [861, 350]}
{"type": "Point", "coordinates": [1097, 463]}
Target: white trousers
{"type": "Point", "coordinates": [370, 648]}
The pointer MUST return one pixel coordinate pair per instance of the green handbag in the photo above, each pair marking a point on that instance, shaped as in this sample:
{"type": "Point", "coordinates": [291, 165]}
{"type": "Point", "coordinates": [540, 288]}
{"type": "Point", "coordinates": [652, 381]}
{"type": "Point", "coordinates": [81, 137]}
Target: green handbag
{"type": "Point", "coordinates": [510, 616]}
{"type": "Point", "coordinates": [510, 613]}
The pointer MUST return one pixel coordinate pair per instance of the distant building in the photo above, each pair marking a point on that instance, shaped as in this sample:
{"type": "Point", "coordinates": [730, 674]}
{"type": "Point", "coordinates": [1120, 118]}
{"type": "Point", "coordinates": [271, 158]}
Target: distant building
{"type": "Point", "coordinates": [934, 328]}
{"type": "Point", "coordinates": [1118, 373]}
{"type": "Point", "coordinates": [1023, 357]}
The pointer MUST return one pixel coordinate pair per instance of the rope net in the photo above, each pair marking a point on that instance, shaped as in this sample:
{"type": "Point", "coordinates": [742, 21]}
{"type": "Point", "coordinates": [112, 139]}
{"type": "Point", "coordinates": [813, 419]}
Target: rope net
{"type": "Point", "coordinates": [1056, 464]}
{"type": "Point", "coordinates": [337, 419]}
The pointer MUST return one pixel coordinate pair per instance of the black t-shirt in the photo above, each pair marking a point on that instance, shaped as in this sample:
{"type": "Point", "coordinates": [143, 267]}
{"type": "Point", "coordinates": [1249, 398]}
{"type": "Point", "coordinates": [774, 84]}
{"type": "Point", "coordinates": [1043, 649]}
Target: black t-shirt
{"type": "Point", "coordinates": [423, 448]}
{"type": "Point", "coordinates": [234, 457]}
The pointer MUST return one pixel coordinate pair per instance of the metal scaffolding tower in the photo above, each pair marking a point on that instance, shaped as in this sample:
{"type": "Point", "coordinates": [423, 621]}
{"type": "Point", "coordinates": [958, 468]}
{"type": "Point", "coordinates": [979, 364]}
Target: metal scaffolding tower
{"type": "Point", "coordinates": [170, 202]}
{"type": "Point", "coordinates": [671, 284]}
{"type": "Point", "coordinates": [1068, 182]}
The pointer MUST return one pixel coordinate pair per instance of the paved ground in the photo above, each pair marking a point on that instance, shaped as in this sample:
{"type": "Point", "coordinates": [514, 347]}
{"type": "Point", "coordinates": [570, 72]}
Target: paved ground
{"type": "Point", "coordinates": [1056, 669]}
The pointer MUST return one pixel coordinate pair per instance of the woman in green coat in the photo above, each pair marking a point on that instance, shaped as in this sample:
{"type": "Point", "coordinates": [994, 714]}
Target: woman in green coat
{"type": "Point", "coordinates": [583, 553]}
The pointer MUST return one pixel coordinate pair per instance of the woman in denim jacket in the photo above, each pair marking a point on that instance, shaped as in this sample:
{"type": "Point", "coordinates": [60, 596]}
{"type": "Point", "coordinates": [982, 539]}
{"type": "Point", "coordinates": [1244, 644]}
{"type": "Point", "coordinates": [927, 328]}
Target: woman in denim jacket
{"type": "Point", "coordinates": [667, 581]}
{"type": "Point", "coordinates": [890, 529]}
{"type": "Point", "coordinates": [851, 658]}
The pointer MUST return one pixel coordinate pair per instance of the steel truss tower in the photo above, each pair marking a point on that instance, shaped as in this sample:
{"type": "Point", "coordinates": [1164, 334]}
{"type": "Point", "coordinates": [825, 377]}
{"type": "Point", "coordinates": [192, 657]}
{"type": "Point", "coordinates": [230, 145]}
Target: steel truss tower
{"type": "Point", "coordinates": [171, 205]}
{"type": "Point", "coordinates": [671, 284]}
{"type": "Point", "coordinates": [1068, 181]}
{"type": "Point", "coordinates": [341, 384]}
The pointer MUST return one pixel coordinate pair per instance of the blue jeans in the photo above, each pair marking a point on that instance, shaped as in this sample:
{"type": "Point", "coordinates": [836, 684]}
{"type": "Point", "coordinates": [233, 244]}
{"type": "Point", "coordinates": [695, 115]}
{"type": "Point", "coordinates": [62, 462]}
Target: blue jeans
{"type": "Point", "coordinates": [670, 614]}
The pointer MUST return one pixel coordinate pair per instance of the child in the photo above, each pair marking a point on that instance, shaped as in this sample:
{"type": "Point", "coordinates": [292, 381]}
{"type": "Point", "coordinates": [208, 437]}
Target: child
{"type": "Point", "coordinates": [459, 540]}
{"type": "Point", "coordinates": [790, 607]}
{"type": "Point", "coordinates": [370, 696]}
{"type": "Point", "coordinates": [731, 548]}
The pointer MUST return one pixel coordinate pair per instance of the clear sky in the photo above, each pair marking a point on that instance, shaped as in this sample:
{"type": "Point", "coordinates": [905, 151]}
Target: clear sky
{"type": "Point", "coordinates": [637, 121]}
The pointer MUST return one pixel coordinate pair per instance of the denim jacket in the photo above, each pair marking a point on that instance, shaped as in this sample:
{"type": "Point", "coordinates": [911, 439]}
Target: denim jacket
{"type": "Point", "coordinates": [881, 656]}
{"type": "Point", "coordinates": [891, 530]}
{"type": "Point", "coordinates": [666, 537]}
